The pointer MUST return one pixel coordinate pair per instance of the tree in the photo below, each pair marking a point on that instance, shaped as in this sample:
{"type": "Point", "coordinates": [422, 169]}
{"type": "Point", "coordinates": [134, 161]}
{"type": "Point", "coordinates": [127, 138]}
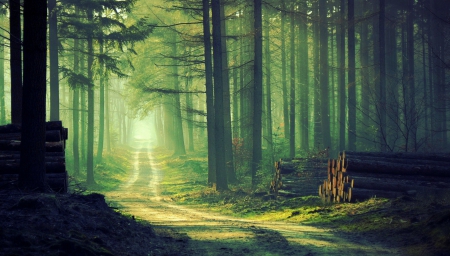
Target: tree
{"type": "Point", "coordinates": [292, 98]}
{"type": "Point", "coordinates": [257, 90]}
{"type": "Point", "coordinates": [2, 77]}
{"type": "Point", "coordinates": [304, 77]}
{"type": "Point", "coordinates": [15, 61]}
{"type": "Point", "coordinates": [54, 70]}
{"type": "Point", "coordinates": [324, 76]}
{"type": "Point", "coordinates": [32, 153]}
{"type": "Point", "coordinates": [351, 77]}
{"type": "Point", "coordinates": [221, 177]}
{"type": "Point", "coordinates": [209, 94]}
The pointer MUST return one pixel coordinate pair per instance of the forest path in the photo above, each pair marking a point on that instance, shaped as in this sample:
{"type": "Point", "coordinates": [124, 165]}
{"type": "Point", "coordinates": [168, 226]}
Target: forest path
{"type": "Point", "coordinates": [214, 234]}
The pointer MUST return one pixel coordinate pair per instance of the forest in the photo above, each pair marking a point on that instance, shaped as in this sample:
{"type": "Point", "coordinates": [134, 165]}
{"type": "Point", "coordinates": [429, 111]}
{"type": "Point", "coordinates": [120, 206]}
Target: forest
{"type": "Point", "coordinates": [249, 81]}
{"type": "Point", "coordinates": [161, 125]}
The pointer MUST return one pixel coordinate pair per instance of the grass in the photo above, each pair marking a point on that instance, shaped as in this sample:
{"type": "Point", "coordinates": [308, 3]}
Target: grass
{"type": "Point", "coordinates": [417, 225]}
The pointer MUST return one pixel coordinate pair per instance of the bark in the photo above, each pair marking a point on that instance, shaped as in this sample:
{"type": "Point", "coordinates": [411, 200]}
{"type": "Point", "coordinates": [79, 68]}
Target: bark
{"type": "Point", "coordinates": [379, 167]}
{"type": "Point", "coordinates": [341, 76]}
{"type": "Point", "coordinates": [32, 151]}
{"type": "Point", "coordinates": [76, 112]}
{"type": "Point", "coordinates": [2, 77]}
{"type": "Point", "coordinates": [292, 89]}
{"type": "Point", "coordinates": [284, 72]}
{"type": "Point", "coordinates": [324, 76]}
{"type": "Point", "coordinates": [221, 175]}
{"type": "Point", "coordinates": [257, 91]}
{"type": "Point", "coordinates": [268, 101]}
{"type": "Point", "coordinates": [15, 61]}
{"type": "Point", "coordinates": [229, 161]}
{"type": "Point", "coordinates": [50, 136]}
{"type": "Point", "coordinates": [365, 74]}
{"type": "Point", "coordinates": [304, 79]}
{"type": "Point", "coordinates": [53, 50]}
{"type": "Point", "coordinates": [351, 77]}
{"type": "Point", "coordinates": [101, 125]}
{"type": "Point", "coordinates": [316, 60]}
{"type": "Point", "coordinates": [382, 77]}
{"type": "Point", "coordinates": [180, 148]}
{"type": "Point", "coordinates": [90, 133]}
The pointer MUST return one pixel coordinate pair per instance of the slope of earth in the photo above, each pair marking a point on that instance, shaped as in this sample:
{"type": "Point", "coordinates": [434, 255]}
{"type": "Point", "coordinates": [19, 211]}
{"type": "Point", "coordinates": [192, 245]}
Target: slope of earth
{"type": "Point", "coordinates": [49, 224]}
{"type": "Point", "coordinates": [144, 196]}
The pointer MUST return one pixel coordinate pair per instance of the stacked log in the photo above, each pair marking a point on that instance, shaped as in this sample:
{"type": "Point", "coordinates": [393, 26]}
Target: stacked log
{"type": "Point", "coordinates": [387, 175]}
{"type": "Point", "coordinates": [296, 177]}
{"type": "Point", "coordinates": [55, 163]}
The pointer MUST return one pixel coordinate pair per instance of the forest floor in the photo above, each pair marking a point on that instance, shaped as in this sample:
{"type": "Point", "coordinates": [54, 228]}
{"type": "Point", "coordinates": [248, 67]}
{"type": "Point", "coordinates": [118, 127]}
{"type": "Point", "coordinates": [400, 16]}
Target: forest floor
{"type": "Point", "coordinates": [161, 206]}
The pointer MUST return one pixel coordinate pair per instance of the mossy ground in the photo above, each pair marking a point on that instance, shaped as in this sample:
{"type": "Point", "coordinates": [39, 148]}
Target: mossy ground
{"type": "Point", "coordinates": [419, 225]}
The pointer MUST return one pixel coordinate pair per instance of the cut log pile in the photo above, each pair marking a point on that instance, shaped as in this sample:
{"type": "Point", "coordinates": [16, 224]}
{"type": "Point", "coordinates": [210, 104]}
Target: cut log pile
{"type": "Point", "coordinates": [297, 176]}
{"type": "Point", "coordinates": [362, 175]}
{"type": "Point", "coordinates": [56, 136]}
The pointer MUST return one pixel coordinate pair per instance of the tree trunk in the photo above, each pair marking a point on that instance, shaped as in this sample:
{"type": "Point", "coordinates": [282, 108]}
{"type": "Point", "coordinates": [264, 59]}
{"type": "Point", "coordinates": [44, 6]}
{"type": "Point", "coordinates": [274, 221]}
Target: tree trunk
{"type": "Point", "coordinates": [229, 161]}
{"type": "Point", "coordinates": [90, 134]}
{"type": "Point", "coordinates": [341, 77]}
{"type": "Point", "coordinates": [53, 50]}
{"type": "Point", "coordinates": [2, 77]}
{"type": "Point", "coordinates": [316, 60]}
{"type": "Point", "coordinates": [76, 113]}
{"type": "Point", "coordinates": [351, 77]}
{"type": "Point", "coordinates": [268, 101]}
{"type": "Point", "coordinates": [209, 95]}
{"type": "Point", "coordinates": [324, 76]}
{"type": "Point", "coordinates": [221, 175]}
{"type": "Point", "coordinates": [364, 73]}
{"type": "Point", "coordinates": [180, 148]}
{"type": "Point", "coordinates": [15, 61]}
{"type": "Point", "coordinates": [284, 72]}
{"type": "Point", "coordinates": [257, 91]}
{"type": "Point", "coordinates": [101, 125]}
{"type": "Point", "coordinates": [304, 79]}
{"type": "Point", "coordinates": [292, 90]}
{"type": "Point", "coordinates": [32, 153]}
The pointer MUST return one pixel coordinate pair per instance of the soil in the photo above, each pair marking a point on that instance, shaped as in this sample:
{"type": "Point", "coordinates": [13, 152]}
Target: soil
{"type": "Point", "coordinates": [138, 219]}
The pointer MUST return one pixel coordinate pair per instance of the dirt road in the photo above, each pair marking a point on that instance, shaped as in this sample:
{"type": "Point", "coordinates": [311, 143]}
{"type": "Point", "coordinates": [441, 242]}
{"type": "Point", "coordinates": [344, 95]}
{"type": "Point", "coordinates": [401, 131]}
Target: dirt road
{"type": "Point", "coordinates": [213, 234]}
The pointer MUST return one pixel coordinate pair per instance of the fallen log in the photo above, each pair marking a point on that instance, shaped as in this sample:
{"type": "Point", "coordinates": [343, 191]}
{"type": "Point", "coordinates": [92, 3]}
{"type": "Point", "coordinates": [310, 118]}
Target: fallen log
{"type": "Point", "coordinates": [14, 145]}
{"type": "Point", "coordinates": [361, 166]}
{"type": "Point", "coordinates": [443, 157]}
{"type": "Point", "coordinates": [4, 155]}
{"type": "Point", "coordinates": [48, 158]}
{"type": "Point", "coordinates": [385, 185]}
{"type": "Point", "coordinates": [50, 136]}
{"type": "Point", "coordinates": [56, 181]}
{"type": "Point", "coordinates": [13, 166]}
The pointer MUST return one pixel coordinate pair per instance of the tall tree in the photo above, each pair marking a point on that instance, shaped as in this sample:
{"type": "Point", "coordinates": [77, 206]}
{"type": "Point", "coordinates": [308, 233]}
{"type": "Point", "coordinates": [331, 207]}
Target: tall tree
{"type": "Point", "coordinates": [221, 175]}
{"type": "Point", "coordinates": [284, 71]}
{"type": "Point", "coordinates": [231, 175]}
{"type": "Point", "coordinates": [341, 75]}
{"type": "Point", "coordinates": [15, 61]}
{"type": "Point", "coordinates": [2, 77]}
{"type": "Point", "coordinates": [351, 77]}
{"type": "Point", "coordinates": [268, 100]}
{"type": "Point", "coordinates": [292, 89]}
{"type": "Point", "coordinates": [54, 70]}
{"type": "Point", "coordinates": [209, 94]}
{"type": "Point", "coordinates": [304, 77]}
{"type": "Point", "coordinates": [382, 76]}
{"type": "Point", "coordinates": [324, 76]}
{"type": "Point", "coordinates": [32, 153]}
{"type": "Point", "coordinates": [90, 120]}
{"type": "Point", "coordinates": [257, 90]}
{"type": "Point", "coordinates": [76, 112]}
